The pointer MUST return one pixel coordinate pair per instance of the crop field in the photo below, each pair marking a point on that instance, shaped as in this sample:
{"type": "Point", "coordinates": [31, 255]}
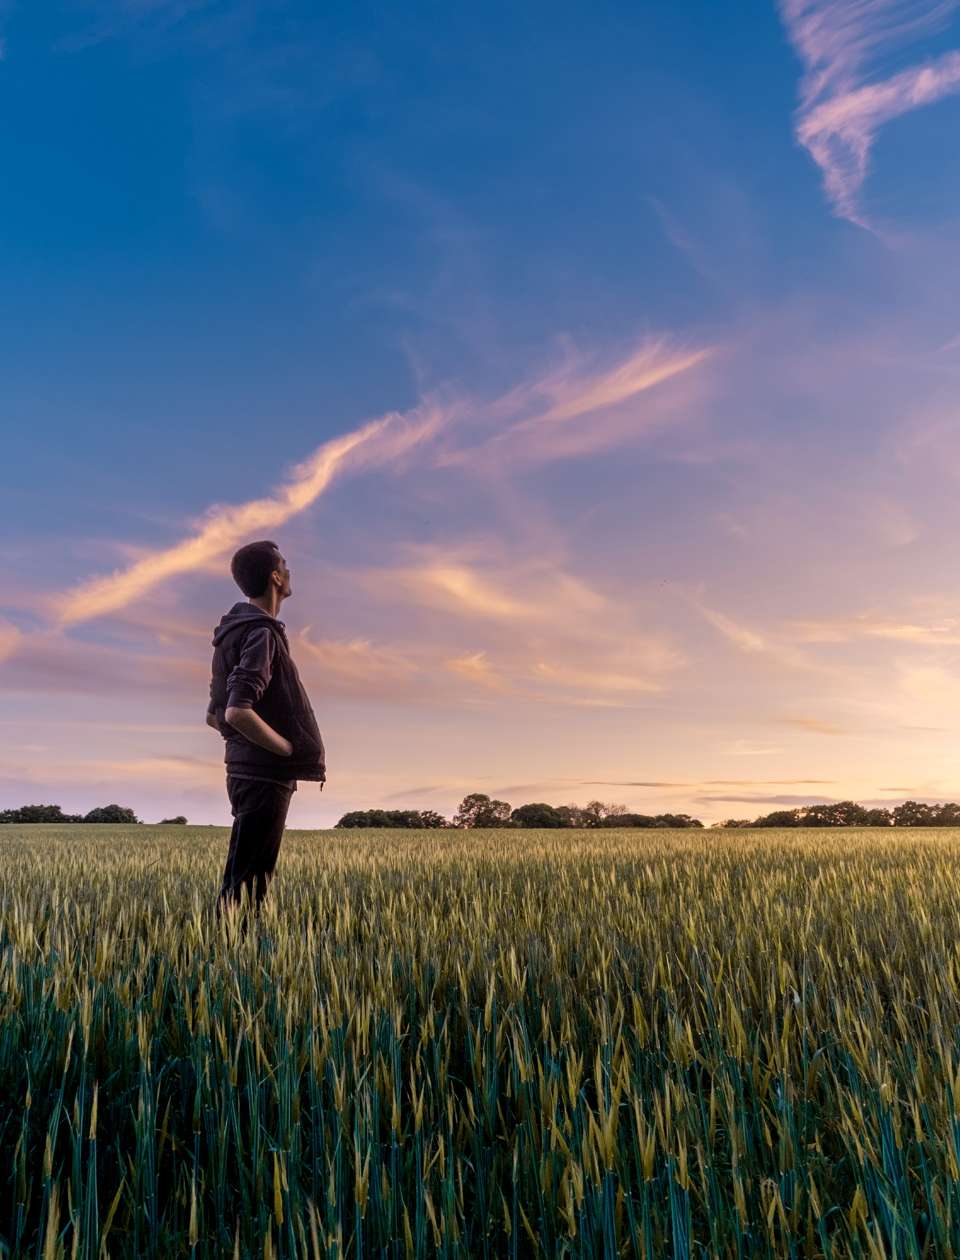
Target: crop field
{"type": "Point", "coordinates": [482, 1043]}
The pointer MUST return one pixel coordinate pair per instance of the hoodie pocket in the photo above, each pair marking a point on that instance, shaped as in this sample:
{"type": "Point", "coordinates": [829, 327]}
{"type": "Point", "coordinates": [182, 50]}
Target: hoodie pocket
{"type": "Point", "coordinates": [307, 742]}
{"type": "Point", "coordinates": [300, 725]}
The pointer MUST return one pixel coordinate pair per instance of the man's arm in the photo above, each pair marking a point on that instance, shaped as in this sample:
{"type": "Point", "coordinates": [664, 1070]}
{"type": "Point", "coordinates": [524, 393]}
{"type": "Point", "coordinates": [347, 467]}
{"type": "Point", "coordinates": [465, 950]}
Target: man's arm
{"type": "Point", "coordinates": [246, 683]}
{"type": "Point", "coordinates": [253, 727]}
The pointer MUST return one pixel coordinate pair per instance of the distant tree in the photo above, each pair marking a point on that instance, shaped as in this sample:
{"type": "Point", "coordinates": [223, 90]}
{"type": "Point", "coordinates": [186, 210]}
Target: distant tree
{"type": "Point", "coordinates": [478, 810]}
{"type": "Point", "coordinates": [877, 818]}
{"type": "Point", "coordinates": [850, 814]}
{"type": "Point", "coordinates": [364, 818]}
{"type": "Point", "coordinates": [169, 822]}
{"type": "Point", "coordinates": [678, 821]}
{"type": "Point", "coordinates": [111, 814]}
{"type": "Point", "coordinates": [779, 818]}
{"type": "Point", "coordinates": [412, 818]}
{"type": "Point", "coordinates": [429, 818]}
{"type": "Point", "coordinates": [594, 813]}
{"type": "Point", "coordinates": [629, 820]}
{"type": "Point", "coordinates": [834, 814]}
{"type": "Point", "coordinates": [916, 814]}
{"type": "Point", "coordinates": [570, 815]}
{"type": "Point", "coordinates": [537, 814]}
{"type": "Point", "coordinates": [37, 814]}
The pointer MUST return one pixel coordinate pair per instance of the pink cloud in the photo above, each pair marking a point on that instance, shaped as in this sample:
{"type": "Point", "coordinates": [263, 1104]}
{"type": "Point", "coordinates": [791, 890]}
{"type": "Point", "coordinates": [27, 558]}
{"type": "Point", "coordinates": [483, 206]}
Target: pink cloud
{"type": "Point", "coordinates": [537, 420]}
{"type": "Point", "coordinates": [10, 638]}
{"type": "Point", "coordinates": [50, 662]}
{"type": "Point", "coordinates": [842, 44]}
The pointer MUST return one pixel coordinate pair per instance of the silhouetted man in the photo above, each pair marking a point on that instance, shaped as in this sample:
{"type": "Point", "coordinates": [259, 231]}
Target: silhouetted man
{"type": "Point", "coordinates": [259, 705]}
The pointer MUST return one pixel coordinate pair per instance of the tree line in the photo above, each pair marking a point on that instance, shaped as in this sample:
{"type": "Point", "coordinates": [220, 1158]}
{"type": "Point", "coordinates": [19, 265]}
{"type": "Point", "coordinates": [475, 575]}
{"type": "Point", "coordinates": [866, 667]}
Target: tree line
{"type": "Point", "coordinates": [54, 814]}
{"type": "Point", "coordinates": [478, 810]}
{"type": "Point", "coordinates": [850, 814]}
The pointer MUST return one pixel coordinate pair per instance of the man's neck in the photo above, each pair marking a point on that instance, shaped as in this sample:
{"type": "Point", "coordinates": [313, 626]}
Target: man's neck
{"type": "Point", "coordinates": [266, 604]}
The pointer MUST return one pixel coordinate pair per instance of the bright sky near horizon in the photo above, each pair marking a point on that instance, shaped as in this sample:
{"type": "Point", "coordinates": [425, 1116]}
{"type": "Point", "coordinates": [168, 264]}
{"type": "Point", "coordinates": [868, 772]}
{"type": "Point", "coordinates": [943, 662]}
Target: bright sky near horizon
{"type": "Point", "coordinates": [595, 367]}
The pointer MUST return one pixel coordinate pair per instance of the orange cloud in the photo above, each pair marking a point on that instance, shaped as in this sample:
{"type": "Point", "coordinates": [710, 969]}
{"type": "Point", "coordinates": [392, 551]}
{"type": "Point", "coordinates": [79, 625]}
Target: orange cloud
{"type": "Point", "coordinates": [765, 645]}
{"type": "Point", "coordinates": [812, 724]}
{"type": "Point", "coordinates": [528, 592]}
{"type": "Point", "coordinates": [567, 676]}
{"type": "Point", "coordinates": [476, 668]}
{"type": "Point", "coordinates": [455, 586]}
{"type": "Point", "coordinates": [360, 669]}
{"type": "Point", "coordinates": [746, 639]}
{"type": "Point", "coordinates": [929, 687]}
{"type": "Point", "coordinates": [10, 638]}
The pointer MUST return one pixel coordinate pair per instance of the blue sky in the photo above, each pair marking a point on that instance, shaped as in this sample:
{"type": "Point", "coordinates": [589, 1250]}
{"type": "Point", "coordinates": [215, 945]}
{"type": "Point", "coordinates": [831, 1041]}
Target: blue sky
{"type": "Point", "coordinates": [655, 305]}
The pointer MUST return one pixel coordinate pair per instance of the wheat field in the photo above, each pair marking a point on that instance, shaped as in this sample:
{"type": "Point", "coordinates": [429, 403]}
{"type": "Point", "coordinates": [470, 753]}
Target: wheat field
{"type": "Point", "coordinates": [489, 1043]}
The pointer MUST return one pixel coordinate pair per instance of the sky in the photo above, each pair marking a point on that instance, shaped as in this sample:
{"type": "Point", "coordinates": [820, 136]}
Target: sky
{"type": "Point", "coordinates": [595, 368]}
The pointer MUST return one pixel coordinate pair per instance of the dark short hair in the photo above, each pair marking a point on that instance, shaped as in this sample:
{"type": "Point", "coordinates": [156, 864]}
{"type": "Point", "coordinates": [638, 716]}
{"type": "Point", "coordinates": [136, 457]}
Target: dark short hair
{"type": "Point", "coordinates": [252, 565]}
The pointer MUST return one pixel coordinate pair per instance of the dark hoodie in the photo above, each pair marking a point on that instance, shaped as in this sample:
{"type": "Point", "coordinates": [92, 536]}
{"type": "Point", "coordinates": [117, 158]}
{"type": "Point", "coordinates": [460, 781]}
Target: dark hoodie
{"type": "Point", "coordinates": [253, 669]}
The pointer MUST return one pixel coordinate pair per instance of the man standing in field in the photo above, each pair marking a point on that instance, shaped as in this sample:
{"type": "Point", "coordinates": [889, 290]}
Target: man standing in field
{"type": "Point", "coordinates": [259, 705]}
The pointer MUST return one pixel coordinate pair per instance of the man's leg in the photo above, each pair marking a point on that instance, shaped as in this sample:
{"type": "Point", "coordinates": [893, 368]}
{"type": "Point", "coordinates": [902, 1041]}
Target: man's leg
{"type": "Point", "coordinates": [260, 813]}
{"type": "Point", "coordinates": [226, 894]}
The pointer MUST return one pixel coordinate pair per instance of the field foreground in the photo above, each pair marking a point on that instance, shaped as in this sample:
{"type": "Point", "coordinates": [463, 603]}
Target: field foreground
{"type": "Point", "coordinates": [651, 1044]}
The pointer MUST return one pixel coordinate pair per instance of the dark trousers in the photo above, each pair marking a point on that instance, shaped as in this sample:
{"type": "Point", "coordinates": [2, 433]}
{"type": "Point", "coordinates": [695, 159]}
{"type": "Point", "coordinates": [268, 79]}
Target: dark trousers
{"type": "Point", "coordinates": [259, 814]}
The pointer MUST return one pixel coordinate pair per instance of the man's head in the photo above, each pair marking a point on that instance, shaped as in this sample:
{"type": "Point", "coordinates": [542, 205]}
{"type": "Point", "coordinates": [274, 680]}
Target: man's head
{"type": "Point", "coordinates": [258, 567]}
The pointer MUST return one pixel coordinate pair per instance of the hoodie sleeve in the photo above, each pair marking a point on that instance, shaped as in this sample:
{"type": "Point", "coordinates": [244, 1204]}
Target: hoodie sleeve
{"type": "Point", "coordinates": [248, 679]}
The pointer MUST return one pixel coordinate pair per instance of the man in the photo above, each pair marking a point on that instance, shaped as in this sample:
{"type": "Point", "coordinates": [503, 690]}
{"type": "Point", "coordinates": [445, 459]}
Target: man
{"type": "Point", "coordinates": [259, 705]}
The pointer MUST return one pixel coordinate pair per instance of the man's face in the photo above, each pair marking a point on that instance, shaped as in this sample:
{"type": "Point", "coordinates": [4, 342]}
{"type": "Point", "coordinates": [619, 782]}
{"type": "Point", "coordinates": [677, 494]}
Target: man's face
{"type": "Point", "coordinates": [285, 574]}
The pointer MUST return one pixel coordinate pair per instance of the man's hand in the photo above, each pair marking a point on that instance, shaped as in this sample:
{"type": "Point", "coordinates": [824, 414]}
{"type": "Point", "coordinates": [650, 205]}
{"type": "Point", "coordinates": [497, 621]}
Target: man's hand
{"type": "Point", "coordinates": [252, 726]}
{"type": "Point", "coordinates": [212, 721]}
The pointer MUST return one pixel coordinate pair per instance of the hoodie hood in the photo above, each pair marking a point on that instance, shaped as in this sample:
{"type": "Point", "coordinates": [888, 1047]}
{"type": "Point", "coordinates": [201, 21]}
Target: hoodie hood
{"type": "Point", "coordinates": [243, 615]}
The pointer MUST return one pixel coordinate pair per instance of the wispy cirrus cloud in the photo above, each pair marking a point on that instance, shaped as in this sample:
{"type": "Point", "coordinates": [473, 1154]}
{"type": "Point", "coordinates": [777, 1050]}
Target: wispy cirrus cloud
{"type": "Point", "coordinates": [757, 798]}
{"type": "Point", "coordinates": [893, 690]}
{"type": "Point", "coordinates": [850, 86]}
{"type": "Point", "coordinates": [647, 678]}
{"type": "Point", "coordinates": [536, 420]}
{"type": "Point", "coordinates": [943, 633]}
{"type": "Point", "coordinates": [458, 588]}
{"type": "Point", "coordinates": [357, 669]}
{"type": "Point", "coordinates": [455, 580]}
{"type": "Point", "coordinates": [102, 20]}
{"type": "Point", "coordinates": [929, 687]}
{"type": "Point", "coordinates": [10, 638]}
{"type": "Point", "coordinates": [816, 726]}
{"type": "Point", "coordinates": [557, 401]}
{"type": "Point", "coordinates": [477, 668]}
{"type": "Point", "coordinates": [763, 644]}
{"type": "Point", "coordinates": [693, 783]}
{"type": "Point", "coordinates": [539, 632]}
{"type": "Point", "coordinates": [381, 441]}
